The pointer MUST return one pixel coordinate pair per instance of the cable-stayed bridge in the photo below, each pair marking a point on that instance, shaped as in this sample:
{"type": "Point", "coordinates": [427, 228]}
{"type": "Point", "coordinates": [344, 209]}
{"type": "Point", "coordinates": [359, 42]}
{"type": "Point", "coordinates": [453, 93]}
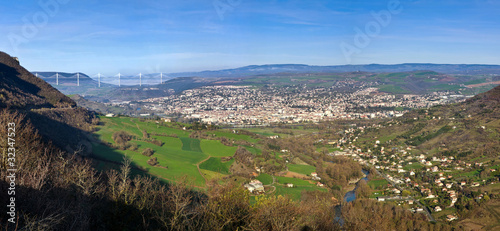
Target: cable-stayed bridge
{"type": "Point", "coordinates": [79, 79]}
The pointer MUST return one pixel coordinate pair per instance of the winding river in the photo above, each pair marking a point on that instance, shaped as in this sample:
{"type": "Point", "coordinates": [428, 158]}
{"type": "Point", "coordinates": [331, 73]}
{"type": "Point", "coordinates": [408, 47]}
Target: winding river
{"type": "Point", "coordinates": [351, 195]}
{"type": "Point", "coordinates": [348, 197]}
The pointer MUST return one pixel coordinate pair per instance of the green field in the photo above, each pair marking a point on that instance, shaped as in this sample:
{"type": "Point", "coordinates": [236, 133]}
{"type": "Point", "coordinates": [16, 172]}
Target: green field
{"type": "Point", "coordinates": [413, 166]}
{"type": "Point", "coordinates": [177, 157]}
{"type": "Point", "coordinates": [235, 136]}
{"type": "Point", "coordinates": [302, 169]}
{"type": "Point", "coordinates": [377, 184]}
{"type": "Point", "coordinates": [294, 181]}
{"type": "Point", "coordinates": [296, 193]}
{"type": "Point", "coordinates": [266, 179]}
{"type": "Point", "coordinates": [210, 175]}
{"type": "Point", "coordinates": [190, 144]}
{"type": "Point", "coordinates": [215, 164]}
{"type": "Point", "coordinates": [197, 159]}
{"type": "Point", "coordinates": [215, 148]}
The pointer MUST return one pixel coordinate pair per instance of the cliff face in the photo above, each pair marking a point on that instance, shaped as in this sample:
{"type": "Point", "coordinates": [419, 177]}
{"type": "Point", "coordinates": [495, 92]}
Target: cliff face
{"type": "Point", "coordinates": [53, 115]}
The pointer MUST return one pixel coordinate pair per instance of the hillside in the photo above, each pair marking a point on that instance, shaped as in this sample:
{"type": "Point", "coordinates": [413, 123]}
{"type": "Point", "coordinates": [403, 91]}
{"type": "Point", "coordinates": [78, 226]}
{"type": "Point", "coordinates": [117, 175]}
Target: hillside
{"type": "Point", "coordinates": [21, 89]}
{"type": "Point", "coordinates": [465, 130]}
{"type": "Point", "coordinates": [51, 113]}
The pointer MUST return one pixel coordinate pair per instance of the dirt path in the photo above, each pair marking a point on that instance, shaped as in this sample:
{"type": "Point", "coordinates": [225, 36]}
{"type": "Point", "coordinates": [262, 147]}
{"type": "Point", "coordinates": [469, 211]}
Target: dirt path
{"type": "Point", "coordinates": [198, 166]}
{"type": "Point", "coordinates": [136, 124]}
{"type": "Point", "coordinates": [295, 175]}
{"type": "Point", "coordinates": [272, 191]}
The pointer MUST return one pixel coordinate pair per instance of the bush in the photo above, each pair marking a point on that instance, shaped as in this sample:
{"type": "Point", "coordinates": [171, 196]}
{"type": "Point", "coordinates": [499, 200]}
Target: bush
{"type": "Point", "coordinates": [148, 152]}
{"type": "Point", "coordinates": [121, 138]}
{"type": "Point", "coordinates": [133, 147]}
{"type": "Point", "coordinates": [153, 161]}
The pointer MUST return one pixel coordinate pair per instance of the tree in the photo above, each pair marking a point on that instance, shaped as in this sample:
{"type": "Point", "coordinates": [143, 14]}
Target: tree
{"type": "Point", "coordinates": [363, 190]}
{"type": "Point", "coordinates": [406, 193]}
{"type": "Point", "coordinates": [148, 152]}
{"type": "Point", "coordinates": [153, 161]}
{"type": "Point", "coordinates": [121, 138]}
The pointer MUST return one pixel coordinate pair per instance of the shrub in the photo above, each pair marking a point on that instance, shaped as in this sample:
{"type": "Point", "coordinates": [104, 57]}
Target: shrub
{"type": "Point", "coordinates": [121, 138]}
{"type": "Point", "coordinates": [153, 161]}
{"type": "Point", "coordinates": [148, 152]}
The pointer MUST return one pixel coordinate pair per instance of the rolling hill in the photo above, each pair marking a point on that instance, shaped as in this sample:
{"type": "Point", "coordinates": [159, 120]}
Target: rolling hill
{"type": "Point", "coordinates": [465, 130]}
{"type": "Point", "coordinates": [376, 68]}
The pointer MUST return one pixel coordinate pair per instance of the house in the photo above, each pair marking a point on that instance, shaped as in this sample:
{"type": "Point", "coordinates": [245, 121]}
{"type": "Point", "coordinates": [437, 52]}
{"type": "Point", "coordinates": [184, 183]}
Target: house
{"type": "Point", "coordinates": [315, 176]}
{"type": "Point", "coordinates": [289, 185]}
{"type": "Point", "coordinates": [381, 198]}
{"type": "Point", "coordinates": [450, 217]}
{"type": "Point", "coordinates": [110, 115]}
{"type": "Point", "coordinates": [319, 184]}
{"type": "Point", "coordinates": [438, 209]}
{"type": "Point", "coordinates": [255, 186]}
{"type": "Point", "coordinates": [410, 202]}
{"type": "Point", "coordinates": [475, 184]}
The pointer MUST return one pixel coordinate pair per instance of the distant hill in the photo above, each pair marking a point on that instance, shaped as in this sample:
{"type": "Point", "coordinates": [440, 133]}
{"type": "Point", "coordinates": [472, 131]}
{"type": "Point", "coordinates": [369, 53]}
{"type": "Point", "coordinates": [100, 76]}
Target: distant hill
{"type": "Point", "coordinates": [377, 68]}
{"type": "Point", "coordinates": [51, 113]}
{"type": "Point", "coordinates": [464, 130]}
{"type": "Point", "coordinates": [68, 83]}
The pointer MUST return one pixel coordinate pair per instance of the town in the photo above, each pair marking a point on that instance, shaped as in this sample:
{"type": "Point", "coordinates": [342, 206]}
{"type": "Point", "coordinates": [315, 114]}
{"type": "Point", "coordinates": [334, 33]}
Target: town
{"type": "Point", "coordinates": [439, 186]}
{"type": "Point", "coordinates": [245, 105]}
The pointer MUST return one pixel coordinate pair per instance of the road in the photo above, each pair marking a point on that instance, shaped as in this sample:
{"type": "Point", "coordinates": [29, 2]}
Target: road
{"type": "Point", "coordinates": [427, 211]}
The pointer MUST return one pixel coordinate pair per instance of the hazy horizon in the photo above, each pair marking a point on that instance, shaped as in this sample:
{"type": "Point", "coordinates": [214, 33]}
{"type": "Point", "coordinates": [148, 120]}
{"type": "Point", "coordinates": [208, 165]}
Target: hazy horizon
{"type": "Point", "coordinates": [190, 36]}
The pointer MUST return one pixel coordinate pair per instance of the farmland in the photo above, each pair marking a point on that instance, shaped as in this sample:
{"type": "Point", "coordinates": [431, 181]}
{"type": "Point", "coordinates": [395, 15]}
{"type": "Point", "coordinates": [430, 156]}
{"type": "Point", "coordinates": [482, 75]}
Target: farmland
{"type": "Point", "coordinates": [178, 156]}
{"type": "Point", "coordinates": [177, 152]}
{"type": "Point", "coordinates": [302, 169]}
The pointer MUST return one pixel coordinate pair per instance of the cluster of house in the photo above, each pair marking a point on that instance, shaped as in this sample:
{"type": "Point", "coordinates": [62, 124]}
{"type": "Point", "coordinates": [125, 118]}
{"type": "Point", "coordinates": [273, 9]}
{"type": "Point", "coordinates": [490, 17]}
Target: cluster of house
{"type": "Point", "coordinates": [255, 187]}
{"type": "Point", "coordinates": [244, 105]}
{"type": "Point", "coordinates": [399, 165]}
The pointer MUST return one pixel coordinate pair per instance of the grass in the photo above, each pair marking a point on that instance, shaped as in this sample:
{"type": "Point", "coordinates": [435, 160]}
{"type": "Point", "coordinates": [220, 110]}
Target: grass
{"type": "Point", "coordinates": [216, 165]}
{"type": "Point", "coordinates": [190, 144]}
{"type": "Point", "coordinates": [177, 157]}
{"type": "Point", "coordinates": [210, 175]}
{"type": "Point", "coordinates": [377, 184]}
{"type": "Point", "coordinates": [302, 169]}
{"type": "Point", "coordinates": [294, 181]}
{"type": "Point", "coordinates": [170, 142]}
{"type": "Point", "coordinates": [413, 166]}
{"type": "Point", "coordinates": [235, 136]}
{"type": "Point", "coordinates": [265, 178]}
{"type": "Point", "coordinates": [468, 174]}
{"type": "Point", "coordinates": [216, 148]}
{"type": "Point", "coordinates": [296, 193]}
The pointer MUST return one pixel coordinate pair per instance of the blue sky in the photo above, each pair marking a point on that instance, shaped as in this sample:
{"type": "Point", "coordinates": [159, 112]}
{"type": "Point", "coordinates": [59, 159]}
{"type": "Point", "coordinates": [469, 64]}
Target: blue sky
{"type": "Point", "coordinates": [131, 36]}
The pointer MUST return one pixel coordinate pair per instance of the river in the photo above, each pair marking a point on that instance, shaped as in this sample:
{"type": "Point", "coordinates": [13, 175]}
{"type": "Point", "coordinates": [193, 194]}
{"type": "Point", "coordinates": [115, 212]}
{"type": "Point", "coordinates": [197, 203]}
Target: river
{"type": "Point", "coordinates": [351, 195]}
{"type": "Point", "coordinates": [348, 197]}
